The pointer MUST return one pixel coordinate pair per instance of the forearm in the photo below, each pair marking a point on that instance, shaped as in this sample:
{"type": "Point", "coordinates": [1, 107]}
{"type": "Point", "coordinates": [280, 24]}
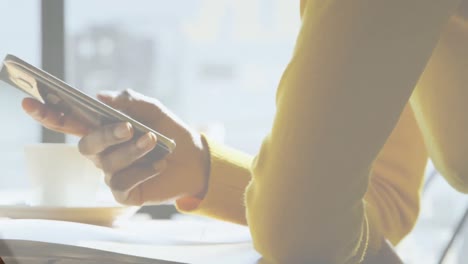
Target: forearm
{"type": "Point", "coordinates": [355, 66]}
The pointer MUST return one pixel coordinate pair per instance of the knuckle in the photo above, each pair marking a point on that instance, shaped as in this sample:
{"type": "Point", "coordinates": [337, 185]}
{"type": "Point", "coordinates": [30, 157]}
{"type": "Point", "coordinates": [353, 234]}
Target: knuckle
{"type": "Point", "coordinates": [127, 95]}
{"type": "Point", "coordinates": [120, 198]}
{"type": "Point", "coordinates": [129, 198]}
{"type": "Point", "coordinates": [107, 136]}
{"type": "Point", "coordinates": [118, 183]}
{"type": "Point", "coordinates": [107, 164]}
{"type": "Point", "coordinates": [83, 146]}
{"type": "Point", "coordinates": [129, 92]}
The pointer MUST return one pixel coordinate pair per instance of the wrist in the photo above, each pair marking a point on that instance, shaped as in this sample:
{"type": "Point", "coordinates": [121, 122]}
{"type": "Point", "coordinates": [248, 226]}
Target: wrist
{"type": "Point", "coordinates": [204, 163]}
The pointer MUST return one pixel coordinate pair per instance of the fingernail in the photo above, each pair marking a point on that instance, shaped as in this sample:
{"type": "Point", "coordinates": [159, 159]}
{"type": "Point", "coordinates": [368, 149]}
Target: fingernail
{"type": "Point", "coordinates": [146, 141]}
{"type": "Point", "coordinates": [122, 131]}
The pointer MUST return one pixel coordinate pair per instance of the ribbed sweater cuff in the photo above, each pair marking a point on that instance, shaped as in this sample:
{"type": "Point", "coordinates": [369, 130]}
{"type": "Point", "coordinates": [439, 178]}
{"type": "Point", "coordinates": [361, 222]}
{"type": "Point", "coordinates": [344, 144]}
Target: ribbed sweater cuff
{"type": "Point", "coordinates": [229, 176]}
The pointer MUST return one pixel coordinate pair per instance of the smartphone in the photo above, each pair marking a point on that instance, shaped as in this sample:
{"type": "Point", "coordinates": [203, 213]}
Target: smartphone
{"type": "Point", "coordinates": [61, 96]}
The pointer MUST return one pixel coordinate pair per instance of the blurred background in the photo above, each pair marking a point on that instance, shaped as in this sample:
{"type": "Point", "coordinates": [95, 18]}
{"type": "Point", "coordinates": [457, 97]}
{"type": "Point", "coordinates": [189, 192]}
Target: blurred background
{"type": "Point", "coordinates": [215, 63]}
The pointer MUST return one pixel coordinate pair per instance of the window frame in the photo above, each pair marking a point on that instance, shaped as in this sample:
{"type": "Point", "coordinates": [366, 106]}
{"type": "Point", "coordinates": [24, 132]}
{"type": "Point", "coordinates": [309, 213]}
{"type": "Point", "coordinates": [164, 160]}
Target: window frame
{"type": "Point", "coordinates": [53, 51]}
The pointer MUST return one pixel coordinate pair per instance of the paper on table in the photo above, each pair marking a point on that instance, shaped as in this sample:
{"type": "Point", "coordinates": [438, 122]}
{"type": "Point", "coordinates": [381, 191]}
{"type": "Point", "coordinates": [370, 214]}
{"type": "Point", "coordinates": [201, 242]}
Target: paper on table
{"type": "Point", "coordinates": [188, 231]}
{"type": "Point", "coordinates": [48, 241]}
{"type": "Point", "coordinates": [61, 232]}
{"type": "Point", "coordinates": [185, 241]}
{"type": "Point", "coordinates": [138, 232]}
{"type": "Point", "coordinates": [235, 253]}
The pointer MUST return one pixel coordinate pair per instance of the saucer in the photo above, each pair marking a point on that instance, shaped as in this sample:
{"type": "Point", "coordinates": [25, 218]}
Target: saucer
{"type": "Point", "coordinates": [98, 215]}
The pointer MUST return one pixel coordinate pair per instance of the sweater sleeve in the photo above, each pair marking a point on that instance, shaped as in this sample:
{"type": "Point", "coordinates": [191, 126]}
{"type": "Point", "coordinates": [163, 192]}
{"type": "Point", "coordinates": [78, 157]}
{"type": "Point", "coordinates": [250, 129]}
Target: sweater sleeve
{"type": "Point", "coordinates": [393, 197]}
{"type": "Point", "coordinates": [228, 178]}
{"type": "Point", "coordinates": [354, 68]}
{"type": "Point", "coordinates": [440, 101]}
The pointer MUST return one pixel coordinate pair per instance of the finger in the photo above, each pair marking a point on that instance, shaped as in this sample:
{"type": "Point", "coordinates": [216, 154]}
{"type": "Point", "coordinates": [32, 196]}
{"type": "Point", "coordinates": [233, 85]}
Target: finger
{"type": "Point", "coordinates": [125, 181]}
{"type": "Point", "coordinates": [105, 137]}
{"type": "Point", "coordinates": [133, 195]}
{"type": "Point", "coordinates": [53, 119]}
{"type": "Point", "coordinates": [134, 104]}
{"type": "Point", "coordinates": [159, 189]}
{"type": "Point", "coordinates": [130, 198]}
{"type": "Point", "coordinates": [126, 154]}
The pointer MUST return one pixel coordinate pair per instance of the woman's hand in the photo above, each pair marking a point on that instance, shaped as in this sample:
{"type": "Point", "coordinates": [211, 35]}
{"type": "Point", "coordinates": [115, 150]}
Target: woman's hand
{"type": "Point", "coordinates": [133, 178]}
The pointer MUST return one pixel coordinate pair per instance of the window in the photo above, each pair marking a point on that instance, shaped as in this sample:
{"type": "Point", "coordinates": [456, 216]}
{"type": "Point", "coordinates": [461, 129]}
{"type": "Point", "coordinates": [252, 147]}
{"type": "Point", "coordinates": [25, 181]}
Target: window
{"type": "Point", "coordinates": [215, 63]}
{"type": "Point", "coordinates": [20, 31]}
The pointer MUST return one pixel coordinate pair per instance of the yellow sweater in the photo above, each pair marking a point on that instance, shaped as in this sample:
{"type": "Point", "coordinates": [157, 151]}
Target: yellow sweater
{"type": "Point", "coordinates": [343, 164]}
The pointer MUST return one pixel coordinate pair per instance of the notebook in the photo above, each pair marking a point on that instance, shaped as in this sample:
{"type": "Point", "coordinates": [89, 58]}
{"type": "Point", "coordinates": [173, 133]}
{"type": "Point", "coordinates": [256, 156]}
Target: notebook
{"type": "Point", "coordinates": [49, 241]}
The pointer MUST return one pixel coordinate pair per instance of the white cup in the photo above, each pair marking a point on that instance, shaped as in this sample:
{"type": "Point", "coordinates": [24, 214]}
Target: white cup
{"type": "Point", "coordinates": [61, 176]}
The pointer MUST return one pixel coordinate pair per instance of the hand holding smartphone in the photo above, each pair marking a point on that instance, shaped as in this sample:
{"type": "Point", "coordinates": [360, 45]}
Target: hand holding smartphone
{"type": "Point", "coordinates": [57, 94]}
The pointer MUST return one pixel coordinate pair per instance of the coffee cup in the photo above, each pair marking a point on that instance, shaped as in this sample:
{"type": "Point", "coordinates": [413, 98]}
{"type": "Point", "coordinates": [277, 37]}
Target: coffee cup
{"type": "Point", "coordinates": [60, 176]}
